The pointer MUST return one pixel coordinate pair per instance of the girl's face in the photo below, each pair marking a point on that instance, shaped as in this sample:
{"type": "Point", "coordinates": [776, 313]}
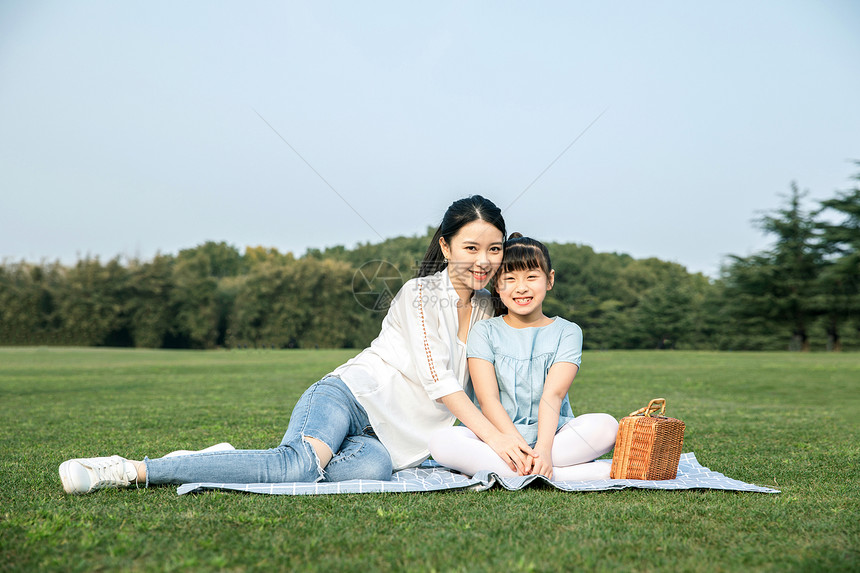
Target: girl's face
{"type": "Point", "coordinates": [523, 292]}
{"type": "Point", "coordinates": [474, 254]}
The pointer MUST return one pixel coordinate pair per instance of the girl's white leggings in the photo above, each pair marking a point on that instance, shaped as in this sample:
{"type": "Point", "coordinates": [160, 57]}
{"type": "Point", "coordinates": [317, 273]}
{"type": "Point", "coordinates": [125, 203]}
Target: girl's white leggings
{"type": "Point", "coordinates": [576, 445]}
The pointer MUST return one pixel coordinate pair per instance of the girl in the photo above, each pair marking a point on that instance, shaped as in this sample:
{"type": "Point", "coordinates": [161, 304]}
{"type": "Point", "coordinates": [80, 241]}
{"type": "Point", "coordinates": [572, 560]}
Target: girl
{"type": "Point", "coordinates": [373, 414]}
{"type": "Point", "coordinates": [522, 365]}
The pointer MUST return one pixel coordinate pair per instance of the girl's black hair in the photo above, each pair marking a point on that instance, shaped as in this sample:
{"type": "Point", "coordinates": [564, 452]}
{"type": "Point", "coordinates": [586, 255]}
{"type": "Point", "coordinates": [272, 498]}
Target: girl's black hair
{"type": "Point", "coordinates": [525, 254]}
{"type": "Point", "coordinates": [460, 213]}
{"type": "Point", "coordinates": [521, 254]}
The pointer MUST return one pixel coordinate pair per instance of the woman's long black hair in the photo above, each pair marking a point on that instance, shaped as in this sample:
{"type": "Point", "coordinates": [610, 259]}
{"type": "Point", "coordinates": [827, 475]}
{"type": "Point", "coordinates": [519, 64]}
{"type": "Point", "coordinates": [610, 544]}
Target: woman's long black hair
{"type": "Point", "coordinates": [460, 213]}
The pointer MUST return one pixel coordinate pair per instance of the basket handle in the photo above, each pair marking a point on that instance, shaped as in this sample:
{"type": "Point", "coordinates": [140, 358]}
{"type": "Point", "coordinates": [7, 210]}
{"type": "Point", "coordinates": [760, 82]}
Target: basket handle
{"type": "Point", "coordinates": [652, 407]}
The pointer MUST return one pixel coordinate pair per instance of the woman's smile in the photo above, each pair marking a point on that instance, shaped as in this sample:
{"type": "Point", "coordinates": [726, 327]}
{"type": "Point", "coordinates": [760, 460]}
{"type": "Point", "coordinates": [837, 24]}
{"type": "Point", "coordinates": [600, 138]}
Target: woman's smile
{"type": "Point", "coordinates": [480, 275]}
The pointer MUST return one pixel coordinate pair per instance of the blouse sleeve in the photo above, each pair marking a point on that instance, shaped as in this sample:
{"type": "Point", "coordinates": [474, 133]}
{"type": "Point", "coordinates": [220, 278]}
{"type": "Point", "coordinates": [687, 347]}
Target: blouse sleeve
{"type": "Point", "coordinates": [570, 345]}
{"type": "Point", "coordinates": [430, 353]}
{"type": "Point", "coordinates": [479, 345]}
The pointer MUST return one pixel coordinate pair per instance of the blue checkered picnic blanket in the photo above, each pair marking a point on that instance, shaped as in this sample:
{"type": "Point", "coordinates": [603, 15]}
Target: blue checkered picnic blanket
{"type": "Point", "coordinates": [432, 477]}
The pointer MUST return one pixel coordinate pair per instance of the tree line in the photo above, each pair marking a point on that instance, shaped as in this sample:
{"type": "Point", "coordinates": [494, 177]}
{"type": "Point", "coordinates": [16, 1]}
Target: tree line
{"type": "Point", "coordinates": [802, 293]}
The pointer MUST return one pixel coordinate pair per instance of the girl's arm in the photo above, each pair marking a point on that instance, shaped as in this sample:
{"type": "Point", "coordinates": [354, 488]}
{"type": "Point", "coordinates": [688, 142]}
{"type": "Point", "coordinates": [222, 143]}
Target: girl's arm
{"type": "Point", "coordinates": [513, 450]}
{"type": "Point", "coordinates": [486, 386]}
{"type": "Point", "coordinates": [555, 388]}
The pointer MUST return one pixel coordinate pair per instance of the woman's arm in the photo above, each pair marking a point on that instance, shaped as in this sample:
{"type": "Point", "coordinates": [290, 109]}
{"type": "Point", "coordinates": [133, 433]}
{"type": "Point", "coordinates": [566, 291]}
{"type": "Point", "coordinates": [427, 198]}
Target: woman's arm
{"type": "Point", "coordinates": [555, 388]}
{"type": "Point", "coordinates": [420, 310]}
{"type": "Point", "coordinates": [513, 450]}
{"type": "Point", "coordinates": [417, 310]}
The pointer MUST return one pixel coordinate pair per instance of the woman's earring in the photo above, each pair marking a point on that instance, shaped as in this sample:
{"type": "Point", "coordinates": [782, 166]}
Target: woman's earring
{"type": "Point", "coordinates": [446, 260]}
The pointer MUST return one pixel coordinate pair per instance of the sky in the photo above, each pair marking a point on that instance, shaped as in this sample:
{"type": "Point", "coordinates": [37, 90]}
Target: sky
{"type": "Point", "coordinates": [657, 129]}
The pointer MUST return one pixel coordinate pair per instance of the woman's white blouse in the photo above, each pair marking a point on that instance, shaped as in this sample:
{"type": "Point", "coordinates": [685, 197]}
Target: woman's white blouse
{"type": "Point", "coordinates": [416, 359]}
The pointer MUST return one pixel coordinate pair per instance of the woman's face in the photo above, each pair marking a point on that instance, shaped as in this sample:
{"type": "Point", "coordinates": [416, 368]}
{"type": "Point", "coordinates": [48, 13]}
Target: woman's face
{"type": "Point", "coordinates": [474, 254]}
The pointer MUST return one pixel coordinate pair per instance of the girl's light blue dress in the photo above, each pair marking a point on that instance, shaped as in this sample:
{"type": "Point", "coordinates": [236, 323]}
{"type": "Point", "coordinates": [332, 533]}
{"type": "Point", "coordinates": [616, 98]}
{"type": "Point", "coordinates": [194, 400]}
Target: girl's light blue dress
{"type": "Point", "coordinates": [522, 358]}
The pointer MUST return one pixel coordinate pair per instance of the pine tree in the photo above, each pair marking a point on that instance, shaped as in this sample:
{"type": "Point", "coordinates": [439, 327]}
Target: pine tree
{"type": "Point", "coordinates": [781, 284]}
{"type": "Point", "coordinates": [840, 277]}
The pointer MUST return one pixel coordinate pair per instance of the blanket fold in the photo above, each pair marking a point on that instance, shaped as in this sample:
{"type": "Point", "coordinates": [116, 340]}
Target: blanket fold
{"type": "Point", "coordinates": [432, 477]}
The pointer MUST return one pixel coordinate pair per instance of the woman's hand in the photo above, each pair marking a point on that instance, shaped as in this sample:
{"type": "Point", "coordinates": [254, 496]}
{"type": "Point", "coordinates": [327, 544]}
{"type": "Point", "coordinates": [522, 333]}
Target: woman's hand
{"type": "Point", "coordinates": [514, 451]}
{"type": "Point", "coordinates": [510, 446]}
{"type": "Point", "coordinates": [543, 462]}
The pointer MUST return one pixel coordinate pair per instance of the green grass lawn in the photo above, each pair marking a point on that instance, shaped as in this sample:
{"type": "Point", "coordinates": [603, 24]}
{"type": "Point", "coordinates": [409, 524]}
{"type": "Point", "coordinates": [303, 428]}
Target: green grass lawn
{"type": "Point", "coordinates": [788, 421]}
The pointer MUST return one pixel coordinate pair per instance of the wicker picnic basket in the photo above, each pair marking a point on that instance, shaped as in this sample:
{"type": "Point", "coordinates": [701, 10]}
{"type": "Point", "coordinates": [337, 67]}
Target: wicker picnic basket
{"type": "Point", "coordinates": [647, 446]}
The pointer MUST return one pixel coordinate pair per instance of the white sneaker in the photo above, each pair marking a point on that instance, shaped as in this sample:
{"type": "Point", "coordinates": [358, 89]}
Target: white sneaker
{"type": "Point", "coordinates": [83, 475]}
{"type": "Point", "coordinates": [222, 447]}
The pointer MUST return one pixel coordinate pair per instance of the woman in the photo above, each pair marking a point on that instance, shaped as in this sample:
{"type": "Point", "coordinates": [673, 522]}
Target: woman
{"type": "Point", "coordinates": [375, 413]}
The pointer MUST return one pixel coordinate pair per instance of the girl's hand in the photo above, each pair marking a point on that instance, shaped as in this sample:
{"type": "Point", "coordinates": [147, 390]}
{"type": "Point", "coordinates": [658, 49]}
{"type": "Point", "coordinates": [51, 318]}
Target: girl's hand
{"type": "Point", "coordinates": [542, 463]}
{"type": "Point", "coordinates": [514, 451]}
